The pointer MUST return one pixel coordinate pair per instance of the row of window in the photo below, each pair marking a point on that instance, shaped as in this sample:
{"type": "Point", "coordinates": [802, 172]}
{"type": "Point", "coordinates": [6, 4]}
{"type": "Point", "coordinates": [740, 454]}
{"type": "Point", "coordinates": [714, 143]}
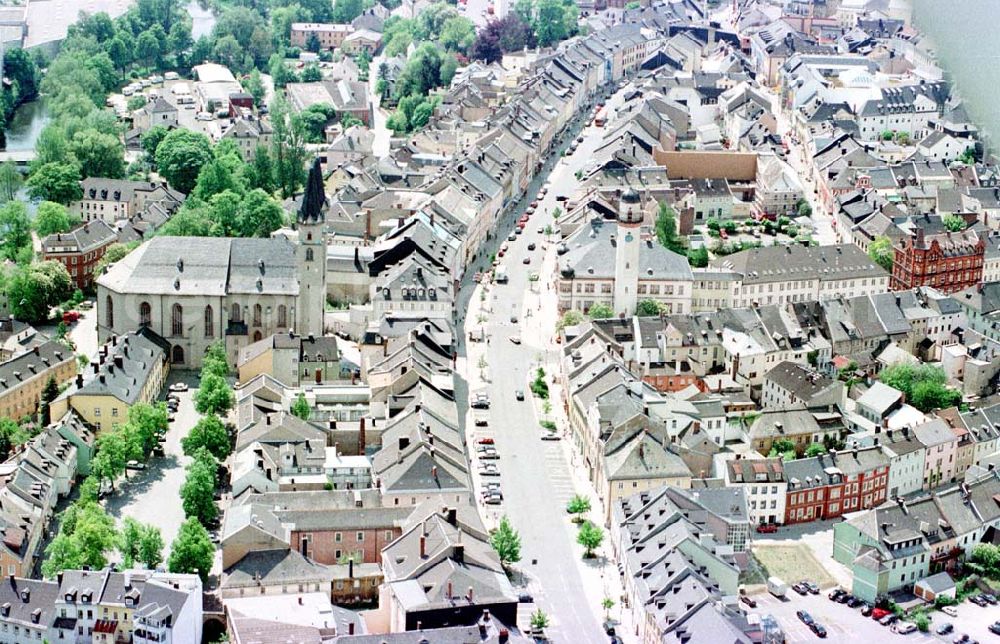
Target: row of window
{"type": "Point", "coordinates": [177, 316]}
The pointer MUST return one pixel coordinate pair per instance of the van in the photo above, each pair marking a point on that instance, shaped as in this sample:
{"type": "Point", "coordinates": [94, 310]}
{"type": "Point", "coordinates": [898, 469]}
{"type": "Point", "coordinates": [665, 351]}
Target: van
{"type": "Point", "coordinates": [127, 90]}
{"type": "Point", "coordinates": [171, 76]}
{"type": "Point", "coordinates": [777, 587]}
{"type": "Point", "coordinates": [501, 277]}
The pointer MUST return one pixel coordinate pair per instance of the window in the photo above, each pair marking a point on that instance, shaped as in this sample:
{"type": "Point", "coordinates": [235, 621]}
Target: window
{"type": "Point", "coordinates": [209, 322]}
{"type": "Point", "coordinates": [361, 536]}
{"type": "Point", "coordinates": [337, 537]}
{"type": "Point", "coordinates": [109, 313]}
{"type": "Point", "coordinates": [282, 315]}
{"type": "Point", "coordinates": [145, 314]}
{"type": "Point", "coordinates": [256, 314]}
{"type": "Point", "coordinates": [177, 320]}
{"type": "Point", "coordinates": [235, 314]}
{"type": "Point", "coordinates": [309, 254]}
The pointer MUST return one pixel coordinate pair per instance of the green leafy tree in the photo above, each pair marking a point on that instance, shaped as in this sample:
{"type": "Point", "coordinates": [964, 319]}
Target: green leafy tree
{"type": "Point", "coordinates": [569, 318]}
{"type": "Point", "coordinates": [55, 181]}
{"type": "Point", "coordinates": [881, 252]}
{"type": "Point", "coordinates": [208, 433]}
{"type": "Point", "coordinates": [301, 407]}
{"type": "Point", "coordinates": [954, 223]}
{"type": "Point", "coordinates": [647, 308]}
{"type": "Point", "coordinates": [590, 537]}
{"type": "Point", "coordinates": [15, 229]}
{"type": "Point", "coordinates": [214, 396]}
{"type": "Point", "coordinates": [149, 421]}
{"type": "Point", "coordinates": [457, 34]}
{"type": "Point", "coordinates": [32, 290]}
{"type": "Point", "coordinates": [112, 455]}
{"type": "Point", "coordinates": [288, 150]}
{"type": "Point", "coordinates": [49, 393]}
{"type": "Point", "coordinates": [192, 551]}
{"type": "Point", "coordinates": [129, 536]}
{"type": "Point", "coordinates": [345, 11]}
{"type": "Point", "coordinates": [600, 311]}
{"type": "Point", "coordinates": [666, 228]}
{"type": "Point", "coordinates": [260, 215]}
{"type": "Point", "coordinates": [803, 208]}
{"type": "Point", "coordinates": [311, 74]}
{"type": "Point", "coordinates": [815, 449]}
{"type": "Point", "coordinates": [94, 534]}
{"type": "Point", "coordinates": [579, 505]}
{"type": "Point", "coordinates": [112, 254]}
{"type": "Point", "coordinates": [180, 157]}
{"type": "Point", "coordinates": [98, 154]}
{"type": "Point", "coordinates": [62, 553]}
{"type": "Point", "coordinates": [198, 490]}
{"type": "Point", "coordinates": [11, 180]}
{"type": "Point", "coordinates": [53, 218]}
{"type": "Point", "coordinates": [254, 86]}
{"type": "Point", "coordinates": [506, 542]}
{"type": "Point", "coordinates": [150, 552]}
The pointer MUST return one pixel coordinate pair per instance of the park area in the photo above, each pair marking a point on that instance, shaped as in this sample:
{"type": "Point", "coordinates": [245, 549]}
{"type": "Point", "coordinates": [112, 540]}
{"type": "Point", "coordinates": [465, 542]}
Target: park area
{"type": "Point", "coordinates": [792, 563]}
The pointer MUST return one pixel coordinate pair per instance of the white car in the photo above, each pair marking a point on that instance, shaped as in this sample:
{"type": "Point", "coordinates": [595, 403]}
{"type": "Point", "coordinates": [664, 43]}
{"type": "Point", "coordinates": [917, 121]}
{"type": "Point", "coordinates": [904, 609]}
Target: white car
{"type": "Point", "coordinates": [205, 116]}
{"type": "Point", "coordinates": [904, 628]}
{"type": "Point", "coordinates": [171, 75]}
{"type": "Point", "coordinates": [950, 610]}
{"type": "Point", "coordinates": [178, 386]}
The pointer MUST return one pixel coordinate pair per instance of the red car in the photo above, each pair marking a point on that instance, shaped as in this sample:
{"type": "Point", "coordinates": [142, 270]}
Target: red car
{"type": "Point", "coordinates": [485, 441]}
{"type": "Point", "coordinates": [70, 317]}
{"type": "Point", "coordinates": [767, 528]}
{"type": "Point", "coordinates": [879, 613]}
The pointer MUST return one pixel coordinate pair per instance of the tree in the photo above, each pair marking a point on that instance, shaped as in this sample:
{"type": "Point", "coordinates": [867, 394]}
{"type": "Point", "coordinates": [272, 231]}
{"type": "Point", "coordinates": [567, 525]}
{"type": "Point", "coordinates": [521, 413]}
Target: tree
{"type": "Point", "coordinates": [486, 47]}
{"type": "Point", "coordinates": [607, 604]}
{"type": "Point", "coordinates": [260, 215]}
{"type": "Point", "coordinates": [94, 534]}
{"type": "Point", "coordinates": [150, 552]}
{"type": "Point", "coordinates": [803, 208]}
{"type": "Point", "coordinates": [600, 311]}
{"type": "Point", "coordinates": [569, 318]}
{"type": "Point", "coordinates": [954, 223]}
{"type": "Point", "coordinates": [192, 551]}
{"type": "Point", "coordinates": [579, 505]}
{"type": "Point", "coordinates": [698, 257]}
{"type": "Point", "coordinates": [214, 396]}
{"type": "Point", "coordinates": [666, 228]}
{"type": "Point", "coordinates": [180, 157]}
{"type": "Point", "coordinates": [148, 421]}
{"type": "Point", "coordinates": [11, 435]}
{"type": "Point", "coordinates": [112, 455]}
{"type": "Point", "coordinates": [457, 34]}
{"type": "Point", "coordinates": [815, 450]}
{"type": "Point", "coordinates": [539, 620]}
{"type": "Point", "coordinates": [57, 181]}
{"type": "Point", "coordinates": [506, 542]}
{"type": "Point", "coordinates": [62, 553]}
{"type": "Point", "coordinates": [288, 150]}
{"type": "Point", "coordinates": [198, 489]}
{"type": "Point", "coordinates": [261, 171]}
{"type": "Point", "coordinates": [208, 433]}
{"type": "Point", "coordinates": [15, 229]}
{"type": "Point", "coordinates": [301, 407]}
{"type": "Point", "coordinates": [49, 393]}
{"type": "Point", "coordinates": [647, 308]}
{"type": "Point", "coordinates": [112, 254]}
{"type": "Point", "coordinates": [254, 86]}
{"type": "Point", "coordinates": [881, 252]}
{"type": "Point", "coordinates": [53, 218]}
{"type": "Point", "coordinates": [345, 11]}
{"type": "Point", "coordinates": [10, 180]}
{"type": "Point", "coordinates": [925, 385]}
{"type": "Point", "coordinates": [551, 22]}
{"type": "Point", "coordinates": [32, 290]}
{"type": "Point", "coordinates": [128, 541]}
{"type": "Point", "coordinates": [590, 537]}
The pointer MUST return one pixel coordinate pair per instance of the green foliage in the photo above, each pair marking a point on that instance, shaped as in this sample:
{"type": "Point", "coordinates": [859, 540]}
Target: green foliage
{"type": "Point", "coordinates": [569, 318]}
{"type": "Point", "coordinates": [590, 537]}
{"type": "Point", "coordinates": [301, 407]}
{"type": "Point", "coordinates": [887, 135]}
{"type": "Point", "coordinates": [922, 621]}
{"type": "Point", "coordinates": [11, 435]}
{"type": "Point", "coordinates": [666, 228]}
{"type": "Point", "coordinates": [539, 620]}
{"type": "Point", "coordinates": [197, 492]}
{"type": "Point", "coordinates": [815, 449]}
{"type": "Point", "coordinates": [192, 551]}
{"type": "Point", "coordinates": [345, 11]}
{"type": "Point", "coordinates": [925, 385]}
{"type": "Point", "coordinates": [954, 223]}
{"type": "Point", "coordinates": [698, 257]}
{"type": "Point", "coordinates": [312, 122]}
{"type": "Point", "coordinates": [579, 505]}
{"type": "Point", "coordinates": [881, 252]}
{"type": "Point", "coordinates": [34, 289]}
{"type": "Point", "coordinates": [11, 181]}
{"type": "Point", "coordinates": [803, 208]}
{"type": "Point", "coordinates": [53, 218]}
{"type": "Point", "coordinates": [180, 157]}
{"type": "Point", "coordinates": [208, 433]}
{"type": "Point", "coordinates": [968, 156]}
{"type": "Point", "coordinates": [506, 542]}
{"type": "Point", "coordinates": [647, 308]}
{"type": "Point", "coordinates": [214, 396]}
{"type": "Point", "coordinates": [600, 311]}
{"type": "Point", "coordinates": [112, 254]}
{"type": "Point", "coordinates": [85, 536]}
{"type": "Point", "coordinates": [539, 386]}
{"type": "Point", "coordinates": [15, 229]}
{"type": "Point", "coordinates": [55, 181]}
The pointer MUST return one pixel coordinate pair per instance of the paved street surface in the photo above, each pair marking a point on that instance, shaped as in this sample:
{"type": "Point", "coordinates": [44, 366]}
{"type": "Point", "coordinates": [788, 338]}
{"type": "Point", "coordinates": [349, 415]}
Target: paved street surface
{"type": "Point", "coordinates": [845, 624]}
{"type": "Point", "coordinates": [153, 495]}
{"type": "Point", "coordinates": [536, 476]}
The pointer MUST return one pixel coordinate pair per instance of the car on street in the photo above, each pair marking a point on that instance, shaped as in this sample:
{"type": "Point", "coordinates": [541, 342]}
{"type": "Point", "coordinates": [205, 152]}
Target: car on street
{"type": "Point", "coordinates": [533, 204]}
{"type": "Point", "coordinates": [767, 528]}
{"type": "Point", "coordinates": [488, 454]}
{"type": "Point", "coordinates": [843, 599]}
{"type": "Point", "coordinates": [486, 440]}
{"type": "Point", "coordinates": [526, 260]}
{"type": "Point", "coordinates": [516, 339]}
{"type": "Point", "coordinates": [135, 465]}
{"type": "Point", "coordinates": [854, 602]}
{"type": "Point", "coordinates": [531, 246]}
{"type": "Point", "coordinates": [835, 593]}
{"type": "Point", "coordinates": [810, 586]}
{"type": "Point", "coordinates": [492, 499]}
{"type": "Point", "coordinates": [800, 589]}
{"type": "Point", "coordinates": [480, 401]}
{"type": "Point", "coordinates": [178, 386]}
{"type": "Point", "coordinates": [158, 450]}
{"type": "Point", "coordinates": [950, 611]}
{"type": "Point", "coordinates": [888, 620]}
{"type": "Point", "coordinates": [866, 610]}
{"type": "Point", "coordinates": [540, 230]}
{"type": "Point", "coordinates": [489, 469]}
{"type": "Point", "coordinates": [995, 628]}
{"type": "Point", "coordinates": [749, 601]}
{"type": "Point", "coordinates": [818, 629]}
{"type": "Point", "coordinates": [482, 420]}
{"type": "Point", "coordinates": [879, 613]}
{"type": "Point", "coordinates": [905, 628]}
{"type": "Point", "coordinates": [551, 436]}
{"type": "Point", "coordinates": [805, 617]}
{"type": "Point", "coordinates": [525, 598]}
{"type": "Point", "coordinates": [171, 417]}
{"type": "Point", "coordinates": [519, 394]}
{"type": "Point", "coordinates": [512, 237]}
{"type": "Point", "coordinates": [944, 629]}
{"type": "Point", "coordinates": [991, 598]}
{"type": "Point", "coordinates": [979, 600]}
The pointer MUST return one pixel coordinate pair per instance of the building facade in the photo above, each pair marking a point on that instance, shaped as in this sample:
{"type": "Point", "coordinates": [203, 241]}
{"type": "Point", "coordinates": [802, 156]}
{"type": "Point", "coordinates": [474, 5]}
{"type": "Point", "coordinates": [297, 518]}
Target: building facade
{"type": "Point", "coordinates": [948, 261]}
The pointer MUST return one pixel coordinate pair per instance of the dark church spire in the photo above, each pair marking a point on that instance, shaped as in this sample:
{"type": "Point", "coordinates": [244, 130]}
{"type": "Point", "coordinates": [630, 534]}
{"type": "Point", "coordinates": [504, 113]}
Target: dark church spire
{"type": "Point", "coordinates": [314, 198]}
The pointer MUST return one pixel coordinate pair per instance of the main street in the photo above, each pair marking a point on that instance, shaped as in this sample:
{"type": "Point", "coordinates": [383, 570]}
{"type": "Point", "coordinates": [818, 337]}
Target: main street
{"type": "Point", "coordinates": [535, 476]}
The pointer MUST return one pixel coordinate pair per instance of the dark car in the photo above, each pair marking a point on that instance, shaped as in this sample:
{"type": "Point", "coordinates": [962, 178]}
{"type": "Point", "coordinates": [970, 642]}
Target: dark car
{"type": "Point", "coordinates": [819, 629]}
{"type": "Point", "coordinates": [835, 593]}
{"type": "Point", "coordinates": [888, 620]}
{"type": "Point", "coordinates": [805, 617]}
{"type": "Point", "coordinates": [979, 600]}
{"type": "Point", "coordinates": [749, 601]}
{"type": "Point", "coordinates": [800, 589]}
{"type": "Point", "coordinates": [519, 394]}
{"type": "Point", "coordinates": [531, 246]}
{"type": "Point", "coordinates": [995, 628]}
{"type": "Point", "coordinates": [962, 639]}
{"type": "Point", "coordinates": [854, 602]}
{"type": "Point", "coordinates": [989, 597]}
{"type": "Point", "coordinates": [944, 629]}
{"type": "Point", "coordinates": [843, 599]}
{"type": "Point", "coordinates": [525, 598]}
{"type": "Point", "coordinates": [810, 586]}
{"type": "Point", "coordinates": [526, 260]}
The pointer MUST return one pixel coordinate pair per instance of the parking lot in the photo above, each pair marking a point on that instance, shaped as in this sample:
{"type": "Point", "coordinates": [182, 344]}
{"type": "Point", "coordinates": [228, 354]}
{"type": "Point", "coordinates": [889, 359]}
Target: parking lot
{"type": "Point", "coordinates": [845, 624]}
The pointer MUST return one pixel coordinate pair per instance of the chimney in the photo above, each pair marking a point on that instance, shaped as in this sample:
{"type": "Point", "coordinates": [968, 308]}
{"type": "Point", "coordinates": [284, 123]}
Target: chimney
{"type": "Point", "coordinates": [423, 547]}
{"type": "Point", "coordinates": [453, 516]}
{"type": "Point", "coordinates": [350, 568]}
{"type": "Point", "coordinates": [450, 593]}
{"type": "Point", "coordinates": [350, 628]}
{"type": "Point", "coordinates": [404, 442]}
{"type": "Point", "coordinates": [120, 362]}
{"type": "Point", "coordinates": [469, 595]}
{"type": "Point", "coordinates": [361, 437]}
{"type": "Point", "coordinates": [300, 600]}
{"type": "Point", "coordinates": [503, 636]}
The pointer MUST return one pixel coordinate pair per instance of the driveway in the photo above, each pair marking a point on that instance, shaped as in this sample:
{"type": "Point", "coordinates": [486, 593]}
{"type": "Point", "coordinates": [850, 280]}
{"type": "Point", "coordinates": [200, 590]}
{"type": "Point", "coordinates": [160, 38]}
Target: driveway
{"type": "Point", "coordinates": [153, 495]}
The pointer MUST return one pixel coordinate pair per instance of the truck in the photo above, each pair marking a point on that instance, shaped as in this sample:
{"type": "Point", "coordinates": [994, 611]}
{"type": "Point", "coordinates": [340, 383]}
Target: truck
{"type": "Point", "coordinates": [501, 277]}
{"type": "Point", "coordinates": [777, 587]}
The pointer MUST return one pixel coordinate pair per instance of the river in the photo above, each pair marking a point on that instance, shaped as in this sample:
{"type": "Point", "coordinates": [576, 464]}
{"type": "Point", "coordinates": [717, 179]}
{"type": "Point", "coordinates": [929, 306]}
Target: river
{"type": "Point", "coordinates": [27, 123]}
{"type": "Point", "coordinates": [964, 37]}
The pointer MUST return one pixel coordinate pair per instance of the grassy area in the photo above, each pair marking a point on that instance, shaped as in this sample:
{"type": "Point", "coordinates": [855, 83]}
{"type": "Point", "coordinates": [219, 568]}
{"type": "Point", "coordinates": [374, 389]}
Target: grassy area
{"type": "Point", "coordinates": [792, 564]}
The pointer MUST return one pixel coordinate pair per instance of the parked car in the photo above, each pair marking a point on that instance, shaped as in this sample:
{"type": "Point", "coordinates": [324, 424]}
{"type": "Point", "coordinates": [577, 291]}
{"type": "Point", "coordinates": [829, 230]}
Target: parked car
{"type": "Point", "coordinates": [551, 436]}
{"type": "Point", "coordinates": [512, 237]}
{"type": "Point", "coordinates": [486, 440]}
{"type": "Point", "coordinates": [835, 593]}
{"type": "Point", "coordinates": [178, 386]}
{"type": "Point", "coordinates": [516, 339]}
{"type": "Point", "coordinates": [800, 589]}
{"type": "Point", "coordinates": [818, 629]}
{"type": "Point", "coordinates": [805, 617]}
{"type": "Point", "coordinates": [749, 601]}
{"type": "Point", "coordinates": [767, 528]}
{"type": "Point", "coordinates": [158, 450]}
{"type": "Point", "coordinates": [888, 620]}
{"type": "Point", "coordinates": [135, 465]}
{"type": "Point", "coordinates": [853, 602]}
{"type": "Point", "coordinates": [489, 455]}
{"type": "Point", "coordinates": [879, 613]}
{"type": "Point", "coordinates": [531, 246]}
{"type": "Point", "coordinates": [995, 628]}
{"type": "Point", "coordinates": [492, 499]}
{"type": "Point", "coordinates": [489, 469]}
{"type": "Point", "coordinates": [962, 639]}
{"type": "Point", "coordinates": [810, 586]}
{"type": "Point", "coordinates": [979, 600]}
{"type": "Point", "coordinates": [70, 317]}
{"type": "Point", "coordinates": [905, 628]}
{"type": "Point", "coordinates": [482, 420]}
{"type": "Point", "coordinates": [866, 610]}
{"type": "Point", "coordinates": [480, 401]}
{"type": "Point", "coordinates": [519, 394]}
{"type": "Point", "coordinates": [950, 611]}
{"type": "Point", "coordinates": [991, 598]}
{"type": "Point", "coordinates": [525, 598]}
{"type": "Point", "coordinates": [843, 599]}
{"type": "Point", "coordinates": [944, 629]}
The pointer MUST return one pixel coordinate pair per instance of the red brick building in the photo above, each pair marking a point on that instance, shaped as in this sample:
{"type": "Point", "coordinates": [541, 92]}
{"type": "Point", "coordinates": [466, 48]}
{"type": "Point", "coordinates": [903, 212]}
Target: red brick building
{"type": "Point", "coordinates": [80, 249]}
{"type": "Point", "coordinates": [947, 261]}
{"type": "Point", "coordinates": [827, 486]}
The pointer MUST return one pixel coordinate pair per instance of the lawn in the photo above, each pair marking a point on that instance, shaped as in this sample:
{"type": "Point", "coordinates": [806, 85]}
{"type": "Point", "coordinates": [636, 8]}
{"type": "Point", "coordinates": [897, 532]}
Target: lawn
{"type": "Point", "coordinates": [792, 564]}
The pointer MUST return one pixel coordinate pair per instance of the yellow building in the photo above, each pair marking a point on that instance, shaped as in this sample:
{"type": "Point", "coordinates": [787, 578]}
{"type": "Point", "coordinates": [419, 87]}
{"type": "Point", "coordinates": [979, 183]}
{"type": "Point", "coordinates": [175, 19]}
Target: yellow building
{"type": "Point", "coordinates": [129, 369]}
{"type": "Point", "coordinates": [23, 378]}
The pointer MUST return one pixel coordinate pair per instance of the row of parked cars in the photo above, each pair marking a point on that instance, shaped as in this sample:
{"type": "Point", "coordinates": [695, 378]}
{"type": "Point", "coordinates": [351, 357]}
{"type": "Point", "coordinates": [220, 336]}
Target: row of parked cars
{"type": "Point", "coordinates": [486, 452]}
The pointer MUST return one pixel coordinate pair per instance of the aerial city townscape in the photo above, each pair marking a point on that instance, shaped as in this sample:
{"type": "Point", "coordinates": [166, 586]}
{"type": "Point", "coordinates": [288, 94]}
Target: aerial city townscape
{"type": "Point", "coordinates": [499, 321]}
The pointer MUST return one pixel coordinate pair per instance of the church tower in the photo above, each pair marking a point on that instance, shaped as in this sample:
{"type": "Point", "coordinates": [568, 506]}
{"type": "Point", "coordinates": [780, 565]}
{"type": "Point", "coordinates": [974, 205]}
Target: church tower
{"type": "Point", "coordinates": [627, 246]}
{"type": "Point", "coordinates": [311, 256]}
